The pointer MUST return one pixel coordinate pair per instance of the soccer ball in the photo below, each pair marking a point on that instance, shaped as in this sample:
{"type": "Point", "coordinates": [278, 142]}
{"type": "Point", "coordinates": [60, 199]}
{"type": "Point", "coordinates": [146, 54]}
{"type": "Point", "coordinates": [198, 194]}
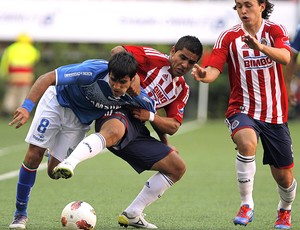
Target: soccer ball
{"type": "Point", "coordinates": [78, 215]}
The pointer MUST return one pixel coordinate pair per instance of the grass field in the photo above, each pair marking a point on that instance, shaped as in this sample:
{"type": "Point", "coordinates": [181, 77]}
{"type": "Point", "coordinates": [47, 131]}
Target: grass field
{"type": "Point", "coordinates": [205, 198]}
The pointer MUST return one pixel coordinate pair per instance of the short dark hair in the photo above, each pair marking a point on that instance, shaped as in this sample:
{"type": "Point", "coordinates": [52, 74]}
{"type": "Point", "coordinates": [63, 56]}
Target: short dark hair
{"type": "Point", "coordinates": [268, 10]}
{"type": "Point", "coordinates": [191, 43]}
{"type": "Point", "coordinates": [122, 64]}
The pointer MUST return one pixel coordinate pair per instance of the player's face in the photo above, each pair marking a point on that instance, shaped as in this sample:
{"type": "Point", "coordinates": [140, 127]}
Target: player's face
{"type": "Point", "coordinates": [250, 12]}
{"type": "Point", "coordinates": [182, 61]}
{"type": "Point", "coordinates": [119, 86]}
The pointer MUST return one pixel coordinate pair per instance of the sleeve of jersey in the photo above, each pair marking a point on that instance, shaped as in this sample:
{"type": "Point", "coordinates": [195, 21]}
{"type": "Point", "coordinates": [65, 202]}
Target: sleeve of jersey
{"type": "Point", "coordinates": [280, 36]}
{"type": "Point", "coordinates": [219, 54]}
{"type": "Point", "coordinates": [138, 52]}
{"type": "Point", "coordinates": [83, 73]}
{"type": "Point", "coordinates": [145, 101]}
{"type": "Point", "coordinates": [176, 108]}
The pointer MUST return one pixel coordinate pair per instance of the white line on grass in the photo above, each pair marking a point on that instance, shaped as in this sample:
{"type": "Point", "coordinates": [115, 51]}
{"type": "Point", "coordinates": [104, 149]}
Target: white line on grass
{"type": "Point", "coordinates": [15, 173]}
{"type": "Point", "coordinates": [187, 127]}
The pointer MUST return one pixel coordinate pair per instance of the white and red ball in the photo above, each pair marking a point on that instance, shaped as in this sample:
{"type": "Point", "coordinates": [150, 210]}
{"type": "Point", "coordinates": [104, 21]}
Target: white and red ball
{"type": "Point", "coordinates": [78, 215]}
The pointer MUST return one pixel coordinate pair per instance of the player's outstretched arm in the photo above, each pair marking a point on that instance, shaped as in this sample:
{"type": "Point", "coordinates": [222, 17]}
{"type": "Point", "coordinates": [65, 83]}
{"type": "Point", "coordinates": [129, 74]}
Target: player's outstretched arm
{"type": "Point", "coordinates": [205, 75]}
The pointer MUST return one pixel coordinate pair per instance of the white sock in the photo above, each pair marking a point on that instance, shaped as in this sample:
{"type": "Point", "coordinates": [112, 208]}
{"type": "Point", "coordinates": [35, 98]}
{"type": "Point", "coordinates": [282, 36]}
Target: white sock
{"type": "Point", "coordinates": [152, 190]}
{"type": "Point", "coordinates": [287, 196]}
{"type": "Point", "coordinates": [245, 171]}
{"type": "Point", "coordinates": [87, 148]}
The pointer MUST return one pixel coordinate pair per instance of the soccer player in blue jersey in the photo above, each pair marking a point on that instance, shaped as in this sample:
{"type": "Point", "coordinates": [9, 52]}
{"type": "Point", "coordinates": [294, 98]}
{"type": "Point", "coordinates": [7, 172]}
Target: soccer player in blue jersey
{"type": "Point", "coordinates": [71, 98]}
{"type": "Point", "coordinates": [162, 78]}
{"type": "Point", "coordinates": [291, 67]}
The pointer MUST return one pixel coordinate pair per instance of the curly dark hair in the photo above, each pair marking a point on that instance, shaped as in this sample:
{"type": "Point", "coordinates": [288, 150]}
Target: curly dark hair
{"type": "Point", "coordinates": [268, 10]}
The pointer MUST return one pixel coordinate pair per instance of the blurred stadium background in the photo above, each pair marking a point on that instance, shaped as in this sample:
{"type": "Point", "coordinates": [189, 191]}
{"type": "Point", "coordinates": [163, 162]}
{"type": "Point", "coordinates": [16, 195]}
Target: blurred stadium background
{"type": "Point", "coordinates": [68, 31]}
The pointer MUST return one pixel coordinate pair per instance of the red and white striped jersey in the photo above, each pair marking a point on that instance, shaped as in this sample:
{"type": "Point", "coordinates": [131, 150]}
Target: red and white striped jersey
{"type": "Point", "coordinates": [256, 82]}
{"type": "Point", "coordinates": [154, 71]}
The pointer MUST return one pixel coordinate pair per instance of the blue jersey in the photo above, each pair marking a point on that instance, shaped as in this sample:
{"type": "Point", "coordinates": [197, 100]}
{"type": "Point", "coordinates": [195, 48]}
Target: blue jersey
{"type": "Point", "coordinates": [84, 88]}
{"type": "Point", "coordinates": [295, 45]}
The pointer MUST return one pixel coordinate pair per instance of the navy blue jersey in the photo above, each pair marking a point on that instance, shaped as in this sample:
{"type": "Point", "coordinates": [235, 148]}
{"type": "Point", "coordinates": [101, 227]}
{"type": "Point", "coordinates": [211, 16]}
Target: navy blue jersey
{"type": "Point", "coordinates": [295, 45]}
{"type": "Point", "coordinates": [84, 88]}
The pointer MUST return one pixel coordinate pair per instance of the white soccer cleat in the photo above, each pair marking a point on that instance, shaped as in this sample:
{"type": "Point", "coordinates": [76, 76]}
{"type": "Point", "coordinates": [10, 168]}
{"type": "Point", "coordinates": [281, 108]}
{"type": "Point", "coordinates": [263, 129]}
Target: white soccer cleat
{"type": "Point", "coordinates": [19, 222]}
{"type": "Point", "coordinates": [137, 222]}
{"type": "Point", "coordinates": [63, 170]}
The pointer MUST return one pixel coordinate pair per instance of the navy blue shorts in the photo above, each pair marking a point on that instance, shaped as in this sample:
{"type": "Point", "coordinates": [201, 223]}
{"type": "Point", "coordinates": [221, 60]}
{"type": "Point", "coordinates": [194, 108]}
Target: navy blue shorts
{"type": "Point", "coordinates": [275, 139]}
{"type": "Point", "coordinates": [137, 147]}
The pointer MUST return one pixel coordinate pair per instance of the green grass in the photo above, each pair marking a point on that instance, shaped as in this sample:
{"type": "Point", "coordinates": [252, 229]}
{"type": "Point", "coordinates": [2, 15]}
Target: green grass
{"type": "Point", "coordinates": [206, 197]}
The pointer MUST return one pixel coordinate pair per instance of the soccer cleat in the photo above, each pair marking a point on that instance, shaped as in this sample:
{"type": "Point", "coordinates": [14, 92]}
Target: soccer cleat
{"type": "Point", "coordinates": [244, 216]}
{"type": "Point", "coordinates": [63, 170]}
{"type": "Point", "coordinates": [137, 222]}
{"type": "Point", "coordinates": [19, 222]}
{"type": "Point", "coordinates": [283, 220]}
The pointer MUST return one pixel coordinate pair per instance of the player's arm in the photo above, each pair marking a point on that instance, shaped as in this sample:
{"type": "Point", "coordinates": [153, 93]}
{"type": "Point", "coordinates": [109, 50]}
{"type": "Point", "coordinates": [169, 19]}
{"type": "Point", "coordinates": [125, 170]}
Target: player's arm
{"type": "Point", "coordinates": [205, 75]}
{"type": "Point", "coordinates": [279, 55]}
{"type": "Point", "coordinates": [117, 49]}
{"type": "Point", "coordinates": [22, 113]}
{"type": "Point", "coordinates": [289, 74]}
{"type": "Point", "coordinates": [161, 124]}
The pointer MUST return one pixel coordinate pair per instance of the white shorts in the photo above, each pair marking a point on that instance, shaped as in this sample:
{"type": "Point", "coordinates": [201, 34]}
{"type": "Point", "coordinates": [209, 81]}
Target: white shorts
{"type": "Point", "coordinates": [55, 127]}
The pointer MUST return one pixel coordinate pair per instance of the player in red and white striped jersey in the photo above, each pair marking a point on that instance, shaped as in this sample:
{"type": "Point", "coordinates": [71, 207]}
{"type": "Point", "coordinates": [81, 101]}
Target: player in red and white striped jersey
{"type": "Point", "coordinates": [162, 78]}
{"type": "Point", "coordinates": [255, 51]}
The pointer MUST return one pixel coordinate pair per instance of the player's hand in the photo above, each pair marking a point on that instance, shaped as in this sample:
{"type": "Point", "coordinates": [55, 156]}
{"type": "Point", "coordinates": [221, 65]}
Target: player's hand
{"type": "Point", "coordinates": [252, 42]}
{"type": "Point", "coordinates": [140, 114]}
{"type": "Point", "coordinates": [21, 116]}
{"type": "Point", "coordinates": [198, 72]}
{"type": "Point", "coordinates": [134, 89]}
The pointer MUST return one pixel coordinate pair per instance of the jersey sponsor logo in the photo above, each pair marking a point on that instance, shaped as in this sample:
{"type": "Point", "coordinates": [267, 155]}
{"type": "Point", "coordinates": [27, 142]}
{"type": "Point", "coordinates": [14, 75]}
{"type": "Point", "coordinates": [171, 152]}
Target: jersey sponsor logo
{"type": "Point", "coordinates": [160, 95]}
{"type": "Point", "coordinates": [75, 74]}
{"type": "Point", "coordinates": [100, 105]}
{"type": "Point", "coordinates": [257, 62]}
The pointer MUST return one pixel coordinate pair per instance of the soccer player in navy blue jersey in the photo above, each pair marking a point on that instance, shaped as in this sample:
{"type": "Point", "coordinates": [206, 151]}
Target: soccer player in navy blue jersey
{"type": "Point", "coordinates": [70, 99]}
{"type": "Point", "coordinates": [161, 76]}
{"type": "Point", "coordinates": [292, 66]}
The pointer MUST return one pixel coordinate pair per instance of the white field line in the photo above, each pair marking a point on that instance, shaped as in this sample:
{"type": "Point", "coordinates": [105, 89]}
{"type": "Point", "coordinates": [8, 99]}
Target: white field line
{"type": "Point", "coordinates": [187, 127]}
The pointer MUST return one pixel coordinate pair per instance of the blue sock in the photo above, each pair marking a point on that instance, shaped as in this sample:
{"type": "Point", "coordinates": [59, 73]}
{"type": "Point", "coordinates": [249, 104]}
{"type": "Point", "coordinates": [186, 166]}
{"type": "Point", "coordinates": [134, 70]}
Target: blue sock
{"type": "Point", "coordinates": [26, 181]}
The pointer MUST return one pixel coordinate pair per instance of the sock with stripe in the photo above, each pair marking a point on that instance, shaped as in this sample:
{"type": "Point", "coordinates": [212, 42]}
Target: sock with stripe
{"type": "Point", "coordinates": [26, 181]}
{"type": "Point", "coordinates": [245, 171]}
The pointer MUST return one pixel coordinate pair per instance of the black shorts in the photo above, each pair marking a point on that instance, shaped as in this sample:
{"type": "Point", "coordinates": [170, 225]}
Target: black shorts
{"type": "Point", "coordinates": [137, 147]}
{"type": "Point", "coordinates": [275, 139]}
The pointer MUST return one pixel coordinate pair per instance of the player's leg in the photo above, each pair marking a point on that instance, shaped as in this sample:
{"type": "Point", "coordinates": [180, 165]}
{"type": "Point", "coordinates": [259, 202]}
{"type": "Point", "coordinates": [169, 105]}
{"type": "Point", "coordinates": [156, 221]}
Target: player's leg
{"type": "Point", "coordinates": [71, 133]}
{"type": "Point", "coordinates": [39, 137]}
{"type": "Point", "coordinates": [27, 176]}
{"type": "Point", "coordinates": [147, 153]}
{"type": "Point", "coordinates": [111, 132]}
{"type": "Point", "coordinates": [170, 170]}
{"type": "Point", "coordinates": [278, 153]}
{"type": "Point", "coordinates": [286, 185]}
{"type": "Point", "coordinates": [245, 138]}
